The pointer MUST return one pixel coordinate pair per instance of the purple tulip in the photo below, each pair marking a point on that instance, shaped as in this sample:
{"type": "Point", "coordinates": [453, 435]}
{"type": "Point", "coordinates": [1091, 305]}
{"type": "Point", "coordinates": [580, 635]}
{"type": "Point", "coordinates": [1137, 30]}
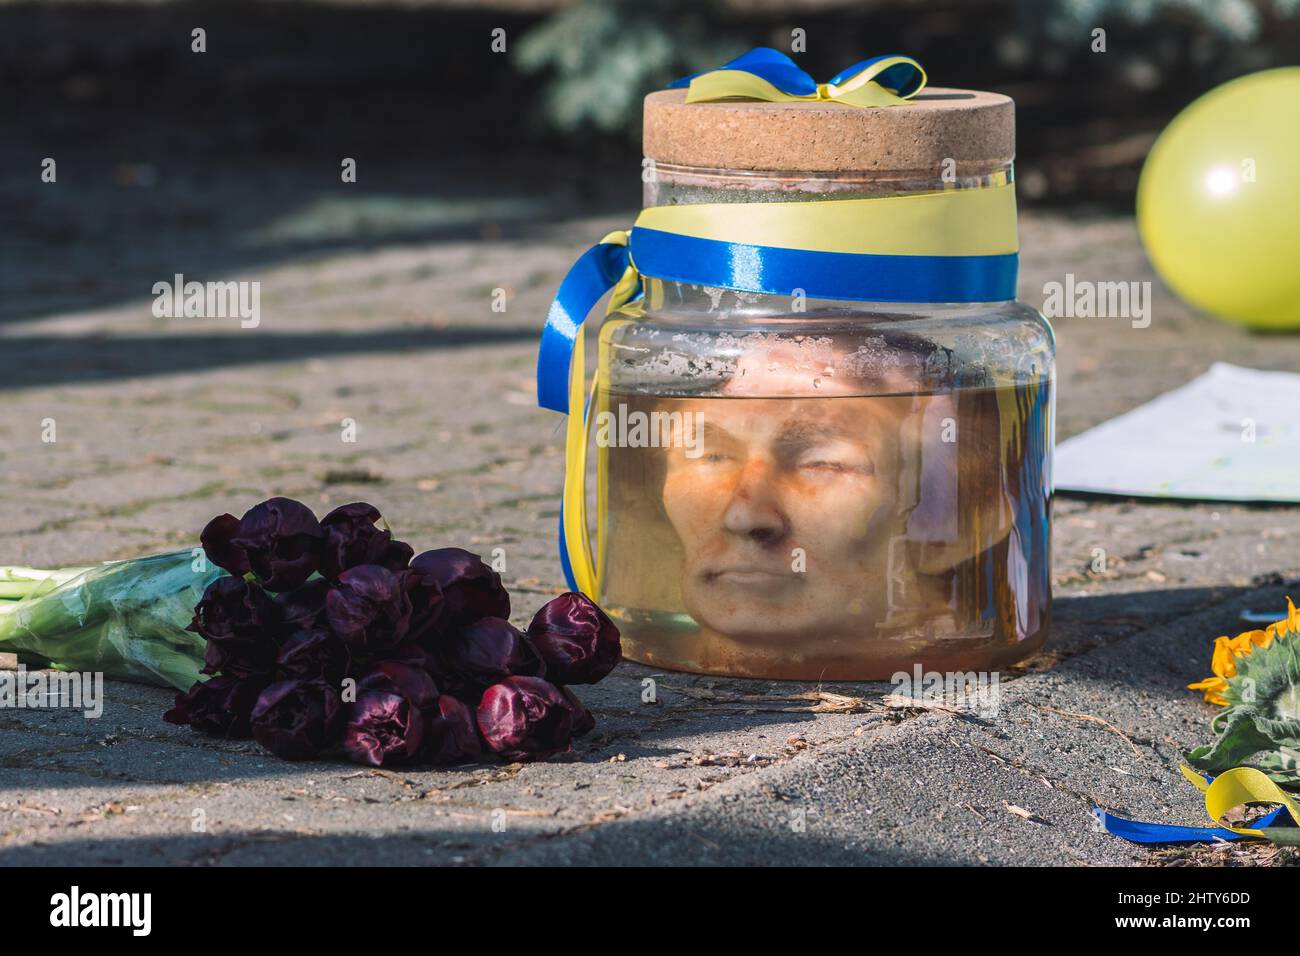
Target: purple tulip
{"type": "Point", "coordinates": [578, 641]}
{"type": "Point", "coordinates": [583, 722]}
{"type": "Point", "coordinates": [232, 608]}
{"type": "Point", "coordinates": [451, 734]}
{"type": "Point", "coordinates": [237, 618]}
{"type": "Point", "coordinates": [217, 537]}
{"type": "Point", "coordinates": [484, 653]}
{"type": "Point", "coordinates": [386, 724]}
{"type": "Point", "coordinates": [352, 538]}
{"type": "Point", "coordinates": [368, 608]}
{"type": "Point", "coordinates": [425, 593]}
{"type": "Point", "coordinates": [297, 719]}
{"type": "Point", "coordinates": [302, 609]}
{"type": "Point", "coordinates": [382, 728]}
{"type": "Point", "coordinates": [470, 589]}
{"type": "Point", "coordinates": [526, 718]}
{"type": "Point", "coordinates": [279, 540]}
{"type": "Point", "coordinates": [413, 653]}
{"type": "Point", "coordinates": [315, 653]}
{"type": "Point", "coordinates": [221, 705]}
{"type": "Point", "coordinates": [402, 677]}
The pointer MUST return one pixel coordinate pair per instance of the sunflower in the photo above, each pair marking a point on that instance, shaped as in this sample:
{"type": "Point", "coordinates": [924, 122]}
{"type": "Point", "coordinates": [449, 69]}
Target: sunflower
{"type": "Point", "coordinates": [1228, 649]}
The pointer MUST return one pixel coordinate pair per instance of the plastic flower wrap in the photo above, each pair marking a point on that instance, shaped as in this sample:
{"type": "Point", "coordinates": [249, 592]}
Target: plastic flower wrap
{"type": "Point", "coordinates": [126, 619]}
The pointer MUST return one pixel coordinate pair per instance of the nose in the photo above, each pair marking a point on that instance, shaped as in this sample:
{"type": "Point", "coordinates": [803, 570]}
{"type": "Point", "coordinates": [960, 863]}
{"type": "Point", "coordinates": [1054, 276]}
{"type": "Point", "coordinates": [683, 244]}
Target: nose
{"type": "Point", "coordinates": [754, 510]}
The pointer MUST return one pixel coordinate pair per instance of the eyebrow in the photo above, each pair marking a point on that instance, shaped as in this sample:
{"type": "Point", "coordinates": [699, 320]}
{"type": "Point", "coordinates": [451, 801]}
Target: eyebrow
{"type": "Point", "coordinates": [804, 432]}
{"type": "Point", "coordinates": [710, 430]}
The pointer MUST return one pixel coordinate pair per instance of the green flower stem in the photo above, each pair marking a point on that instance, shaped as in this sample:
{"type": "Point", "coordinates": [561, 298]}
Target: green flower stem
{"type": "Point", "coordinates": [17, 582]}
{"type": "Point", "coordinates": [126, 619]}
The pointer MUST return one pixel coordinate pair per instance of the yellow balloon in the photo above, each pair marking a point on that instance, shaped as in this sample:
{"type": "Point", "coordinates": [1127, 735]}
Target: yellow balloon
{"type": "Point", "coordinates": [1218, 204]}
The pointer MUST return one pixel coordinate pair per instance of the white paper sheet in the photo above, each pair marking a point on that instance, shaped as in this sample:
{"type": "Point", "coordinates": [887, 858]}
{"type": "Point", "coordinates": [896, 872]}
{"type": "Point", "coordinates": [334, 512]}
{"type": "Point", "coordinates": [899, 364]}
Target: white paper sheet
{"type": "Point", "coordinates": [1233, 434]}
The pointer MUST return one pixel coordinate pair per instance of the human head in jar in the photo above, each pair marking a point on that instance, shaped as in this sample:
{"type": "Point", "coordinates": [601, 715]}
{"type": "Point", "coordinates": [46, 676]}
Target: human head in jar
{"type": "Point", "coordinates": [787, 507]}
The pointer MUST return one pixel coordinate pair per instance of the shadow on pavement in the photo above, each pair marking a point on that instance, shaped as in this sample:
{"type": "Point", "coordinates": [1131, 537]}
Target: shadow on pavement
{"type": "Point", "coordinates": [40, 361]}
{"type": "Point", "coordinates": [640, 844]}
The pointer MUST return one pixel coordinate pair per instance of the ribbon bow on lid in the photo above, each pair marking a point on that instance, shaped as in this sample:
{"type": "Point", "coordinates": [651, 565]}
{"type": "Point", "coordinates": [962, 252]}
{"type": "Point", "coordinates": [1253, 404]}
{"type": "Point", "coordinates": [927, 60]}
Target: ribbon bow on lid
{"type": "Point", "coordinates": [767, 74]}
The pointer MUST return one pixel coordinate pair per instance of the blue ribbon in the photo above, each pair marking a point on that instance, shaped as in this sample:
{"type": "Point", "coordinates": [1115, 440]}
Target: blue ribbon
{"type": "Point", "coordinates": [778, 69]}
{"type": "Point", "coordinates": [903, 79]}
{"type": "Point", "coordinates": [852, 276]}
{"type": "Point", "coordinates": [1135, 831]}
{"type": "Point", "coordinates": [566, 565]}
{"type": "Point", "coordinates": [594, 274]}
{"type": "Point", "coordinates": [763, 269]}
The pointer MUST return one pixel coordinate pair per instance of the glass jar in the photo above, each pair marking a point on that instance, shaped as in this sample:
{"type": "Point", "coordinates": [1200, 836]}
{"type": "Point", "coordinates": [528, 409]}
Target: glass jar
{"type": "Point", "coordinates": [822, 489]}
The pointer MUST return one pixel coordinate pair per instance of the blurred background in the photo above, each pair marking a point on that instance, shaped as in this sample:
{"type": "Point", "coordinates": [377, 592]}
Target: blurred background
{"type": "Point", "coordinates": [232, 156]}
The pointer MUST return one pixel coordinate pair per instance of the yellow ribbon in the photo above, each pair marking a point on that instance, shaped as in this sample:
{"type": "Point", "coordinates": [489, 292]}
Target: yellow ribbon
{"type": "Point", "coordinates": [576, 535]}
{"type": "Point", "coordinates": [1234, 788]}
{"type": "Point", "coordinates": [951, 222]}
{"type": "Point", "coordinates": [862, 89]}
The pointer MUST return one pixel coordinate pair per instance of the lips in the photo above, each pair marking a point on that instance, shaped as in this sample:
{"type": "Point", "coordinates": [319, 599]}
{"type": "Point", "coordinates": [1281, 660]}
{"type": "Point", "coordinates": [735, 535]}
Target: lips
{"type": "Point", "coordinates": [746, 576]}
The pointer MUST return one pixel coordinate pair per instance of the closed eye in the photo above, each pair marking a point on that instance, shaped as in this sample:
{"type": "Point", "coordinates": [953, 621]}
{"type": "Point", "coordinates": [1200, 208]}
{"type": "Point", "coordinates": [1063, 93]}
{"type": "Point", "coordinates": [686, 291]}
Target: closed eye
{"type": "Point", "coordinates": [833, 457]}
{"type": "Point", "coordinates": [836, 467]}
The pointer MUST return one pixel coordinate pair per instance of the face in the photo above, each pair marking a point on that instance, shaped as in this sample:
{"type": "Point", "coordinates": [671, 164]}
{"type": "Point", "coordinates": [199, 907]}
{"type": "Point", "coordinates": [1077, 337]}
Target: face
{"type": "Point", "coordinates": [785, 511]}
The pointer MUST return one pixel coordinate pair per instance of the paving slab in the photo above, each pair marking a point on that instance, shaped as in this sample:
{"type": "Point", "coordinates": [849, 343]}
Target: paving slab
{"type": "Point", "coordinates": [163, 424]}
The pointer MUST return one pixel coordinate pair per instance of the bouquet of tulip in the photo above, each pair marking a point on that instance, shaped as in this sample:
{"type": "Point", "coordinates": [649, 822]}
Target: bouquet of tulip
{"type": "Point", "coordinates": [327, 636]}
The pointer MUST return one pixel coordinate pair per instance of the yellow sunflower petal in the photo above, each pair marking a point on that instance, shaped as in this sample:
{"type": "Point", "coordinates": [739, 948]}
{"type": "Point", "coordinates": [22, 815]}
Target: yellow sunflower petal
{"type": "Point", "coordinates": [1228, 649]}
{"type": "Point", "coordinates": [1224, 661]}
{"type": "Point", "coordinates": [1289, 624]}
{"type": "Point", "coordinates": [1213, 688]}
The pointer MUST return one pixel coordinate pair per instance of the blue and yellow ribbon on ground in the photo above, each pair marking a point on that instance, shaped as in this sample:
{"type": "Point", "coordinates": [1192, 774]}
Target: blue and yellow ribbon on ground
{"type": "Point", "coordinates": [937, 246]}
{"type": "Point", "coordinates": [1228, 791]}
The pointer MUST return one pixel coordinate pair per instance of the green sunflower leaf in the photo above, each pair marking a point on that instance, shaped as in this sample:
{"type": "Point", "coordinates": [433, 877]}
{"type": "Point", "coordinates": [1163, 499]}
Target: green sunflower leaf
{"type": "Point", "coordinates": [1263, 714]}
{"type": "Point", "coordinates": [1237, 743]}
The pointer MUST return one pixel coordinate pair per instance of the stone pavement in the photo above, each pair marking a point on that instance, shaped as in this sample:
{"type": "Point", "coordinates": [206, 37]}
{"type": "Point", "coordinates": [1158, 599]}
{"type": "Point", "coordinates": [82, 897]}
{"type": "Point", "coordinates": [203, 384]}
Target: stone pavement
{"type": "Point", "coordinates": [161, 423]}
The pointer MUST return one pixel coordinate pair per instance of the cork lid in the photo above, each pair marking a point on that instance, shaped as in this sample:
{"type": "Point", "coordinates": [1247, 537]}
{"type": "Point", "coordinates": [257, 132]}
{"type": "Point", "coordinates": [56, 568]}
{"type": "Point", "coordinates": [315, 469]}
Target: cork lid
{"type": "Point", "coordinates": [972, 127]}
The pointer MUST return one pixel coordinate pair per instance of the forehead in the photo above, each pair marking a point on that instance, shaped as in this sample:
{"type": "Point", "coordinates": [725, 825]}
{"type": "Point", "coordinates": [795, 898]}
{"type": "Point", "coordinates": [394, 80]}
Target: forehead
{"type": "Point", "coordinates": [801, 419]}
{"type": "Point", "coordinates": [816, 368]}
